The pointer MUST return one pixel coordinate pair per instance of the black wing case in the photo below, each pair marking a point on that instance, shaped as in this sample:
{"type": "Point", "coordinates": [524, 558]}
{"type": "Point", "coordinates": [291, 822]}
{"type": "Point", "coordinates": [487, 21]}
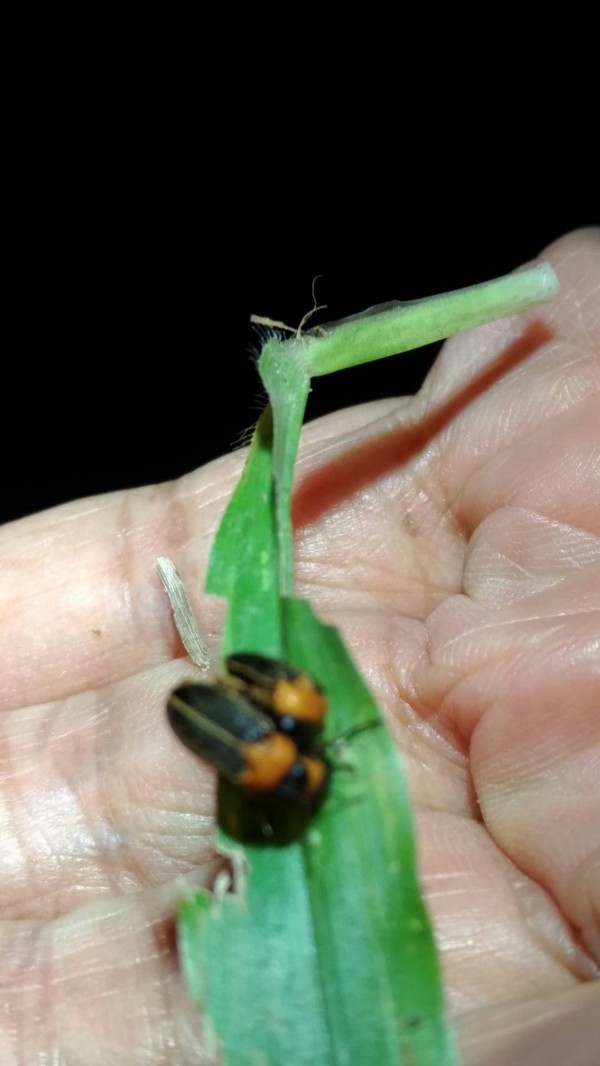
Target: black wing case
{"type": "Point", "coordinates": [216, 725]}
{"type": "Point", "coordinates": [259, 670]}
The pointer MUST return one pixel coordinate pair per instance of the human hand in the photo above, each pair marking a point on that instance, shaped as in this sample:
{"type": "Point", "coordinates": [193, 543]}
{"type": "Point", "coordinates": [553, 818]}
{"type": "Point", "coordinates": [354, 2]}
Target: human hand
{"type": "Point", "coordinates": [454, 538]}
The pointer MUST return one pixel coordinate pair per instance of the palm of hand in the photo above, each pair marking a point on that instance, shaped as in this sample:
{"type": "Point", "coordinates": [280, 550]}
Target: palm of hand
{"type": "Point", "coordinates": [455, 540]}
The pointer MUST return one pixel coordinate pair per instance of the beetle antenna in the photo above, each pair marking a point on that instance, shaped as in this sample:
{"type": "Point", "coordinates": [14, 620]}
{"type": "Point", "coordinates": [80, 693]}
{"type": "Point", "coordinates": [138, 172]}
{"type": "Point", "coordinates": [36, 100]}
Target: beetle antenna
{"type": "Point", "coordinates": [354, 731]}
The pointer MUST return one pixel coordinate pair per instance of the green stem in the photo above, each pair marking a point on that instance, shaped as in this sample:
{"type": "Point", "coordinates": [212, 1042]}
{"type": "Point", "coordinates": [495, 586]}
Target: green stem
{"type": "Point", "coordinates": [393, 328]}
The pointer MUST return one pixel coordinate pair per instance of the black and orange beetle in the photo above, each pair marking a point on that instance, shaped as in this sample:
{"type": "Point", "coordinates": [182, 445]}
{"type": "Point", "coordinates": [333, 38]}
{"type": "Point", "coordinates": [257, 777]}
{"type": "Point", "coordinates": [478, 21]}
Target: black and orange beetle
{"type": "Point", "coordinates": [243, 744]}
{"type": "Point", "coordinates": [257, 727]}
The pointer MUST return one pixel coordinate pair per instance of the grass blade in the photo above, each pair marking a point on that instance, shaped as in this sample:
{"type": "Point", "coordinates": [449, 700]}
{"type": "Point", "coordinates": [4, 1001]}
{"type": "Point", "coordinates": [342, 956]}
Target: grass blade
{"type": "Point", "coordinates": [324, 953]}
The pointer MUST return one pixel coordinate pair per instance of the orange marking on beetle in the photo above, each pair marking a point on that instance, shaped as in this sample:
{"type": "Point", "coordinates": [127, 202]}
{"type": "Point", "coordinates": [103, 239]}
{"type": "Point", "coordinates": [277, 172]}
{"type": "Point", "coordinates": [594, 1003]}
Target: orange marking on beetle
{"type": "Point", "coordinates": [317, 772]}
{"type": "Point", "coordinates": [267, 762]}
{"type": "Point", "coordinates": [300, 699]}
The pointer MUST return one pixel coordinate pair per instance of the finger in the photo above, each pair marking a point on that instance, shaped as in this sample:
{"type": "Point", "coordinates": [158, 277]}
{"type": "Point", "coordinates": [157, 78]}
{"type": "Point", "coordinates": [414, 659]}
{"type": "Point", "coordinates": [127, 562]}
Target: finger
{"type": "Point", "coordinates": [499, 933]}
{"type": "Point", "coordinates": [516, 553]}
{"type": "Point", "coordinates": [552, 1030]}
{"type": "Point", "coordinates": [554, 471]}
{"type": "Point", "coordinates": [81, 602]}
{"type": "Point", "coordinates": [518, 686]}
{"type": "Point", "coordinates": [502, 431]}
{"type": "Point", "coordinates": [101, 985]}
{"type": "Point", "coordinates": [571, 317]}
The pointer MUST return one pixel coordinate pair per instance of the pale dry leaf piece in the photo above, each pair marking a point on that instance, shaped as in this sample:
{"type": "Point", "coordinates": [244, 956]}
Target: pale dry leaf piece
{"type": "Point", "coordinates": [183, 615]}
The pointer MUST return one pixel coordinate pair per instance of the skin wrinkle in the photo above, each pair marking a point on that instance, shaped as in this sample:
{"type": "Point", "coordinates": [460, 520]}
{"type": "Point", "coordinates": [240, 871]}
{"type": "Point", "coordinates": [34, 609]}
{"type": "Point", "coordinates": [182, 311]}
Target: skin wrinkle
{"type": "Point", "coordinates": [57, 516]}
{"type": "Point", "coordinates": [507, 623]}
{"type": "Point", "coordinates": [522, 493]}
{"type": "Point", "coordinates": [492, 940]}
{"type": "Point", "coordinates": [545, 404]}
{"type": "Point", "coordinates": [552, 559]}
{"type": "Point", "coordinates": [127, 570]}
{"type": "Point", "coordinates": [422, 578]}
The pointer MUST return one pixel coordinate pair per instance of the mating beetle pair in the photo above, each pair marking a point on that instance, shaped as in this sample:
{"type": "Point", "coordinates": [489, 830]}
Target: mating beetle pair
{"type": "Point", "coordinates": [259, 727]}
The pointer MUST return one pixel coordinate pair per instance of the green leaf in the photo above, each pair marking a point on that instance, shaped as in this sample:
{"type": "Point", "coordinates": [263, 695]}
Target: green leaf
{"type": "Point", "coordinates": [251, 965]}
{"type": "Point", "coordinates": [326, 953]}
{"type": "Point", "coordinates": [323, 953]}
{"type": "Point", "coordinates": [377, 959]}
{"type": "Point", "coordinates": [244, 561]}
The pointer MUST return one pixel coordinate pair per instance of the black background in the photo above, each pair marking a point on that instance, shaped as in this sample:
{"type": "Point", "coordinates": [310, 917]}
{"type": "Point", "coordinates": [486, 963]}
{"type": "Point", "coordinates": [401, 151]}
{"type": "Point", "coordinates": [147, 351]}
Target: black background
{"type": "Point", "coordinates": [164, 178]}
{"type": "Point", "coordinates": [130, 357]}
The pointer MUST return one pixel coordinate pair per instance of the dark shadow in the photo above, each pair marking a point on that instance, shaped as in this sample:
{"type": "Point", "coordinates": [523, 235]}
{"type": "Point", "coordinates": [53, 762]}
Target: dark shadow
{"type": "Point", "coordinates": [164, 933]}
{"type": "Point", "coordinates": [340, 479]}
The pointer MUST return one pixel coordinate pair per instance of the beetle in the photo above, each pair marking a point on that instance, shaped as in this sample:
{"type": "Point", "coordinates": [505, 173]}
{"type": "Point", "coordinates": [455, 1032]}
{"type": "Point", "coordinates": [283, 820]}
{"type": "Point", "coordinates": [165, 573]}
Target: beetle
{"type": "Point", "coordinates": [244, 745]}
{"type": "Point", "coordinates": [292, 698]}
{"type": "Point", "coordinates": [260, 726]}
